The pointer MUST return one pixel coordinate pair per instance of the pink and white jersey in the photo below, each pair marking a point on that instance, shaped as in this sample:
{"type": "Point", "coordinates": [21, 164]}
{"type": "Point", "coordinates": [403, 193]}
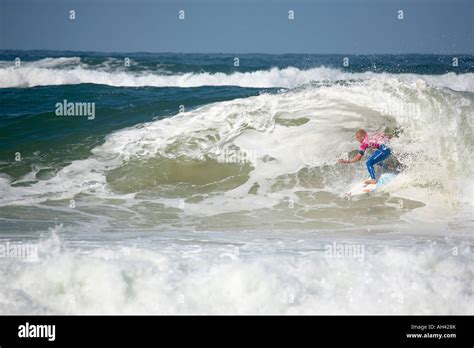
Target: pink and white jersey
{"type": "Point", "coordinates": [373, 141]}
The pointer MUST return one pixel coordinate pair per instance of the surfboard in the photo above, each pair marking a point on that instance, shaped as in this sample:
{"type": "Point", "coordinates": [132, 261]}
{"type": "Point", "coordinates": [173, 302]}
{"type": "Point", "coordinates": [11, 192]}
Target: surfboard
{"type": "Point", "coordinates": [361, 188]}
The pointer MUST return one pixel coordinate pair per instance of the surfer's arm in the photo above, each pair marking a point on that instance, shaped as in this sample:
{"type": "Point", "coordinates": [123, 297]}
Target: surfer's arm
{"type": "Point", "coordinates": [357, 157]}
{"type": "Point", "coordinates": [354, 159]}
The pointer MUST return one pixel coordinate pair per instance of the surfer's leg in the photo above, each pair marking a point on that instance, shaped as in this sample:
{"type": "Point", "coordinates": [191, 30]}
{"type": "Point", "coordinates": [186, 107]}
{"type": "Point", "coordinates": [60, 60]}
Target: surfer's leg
{"type": "Point", "coordinates": [377, 157]}
{"type": "Point", "coordinates": [370, 165]}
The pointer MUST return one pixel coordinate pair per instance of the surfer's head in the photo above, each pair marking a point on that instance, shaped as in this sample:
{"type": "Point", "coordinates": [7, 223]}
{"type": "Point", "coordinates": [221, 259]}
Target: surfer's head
{"type": "Point", "coordinates": [360, 135]}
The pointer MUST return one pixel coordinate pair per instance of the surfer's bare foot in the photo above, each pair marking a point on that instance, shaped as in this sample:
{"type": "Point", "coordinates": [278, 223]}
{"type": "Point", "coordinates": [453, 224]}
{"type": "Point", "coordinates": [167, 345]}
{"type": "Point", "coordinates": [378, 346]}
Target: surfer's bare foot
{"type": "Point", "coordinates": [370, 181]}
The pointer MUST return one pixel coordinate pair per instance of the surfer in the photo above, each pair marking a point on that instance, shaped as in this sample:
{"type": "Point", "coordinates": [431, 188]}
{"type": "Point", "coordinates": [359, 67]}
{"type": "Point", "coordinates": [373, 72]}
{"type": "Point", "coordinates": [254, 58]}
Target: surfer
{"type": "Point", "coordinates": [377, 141]}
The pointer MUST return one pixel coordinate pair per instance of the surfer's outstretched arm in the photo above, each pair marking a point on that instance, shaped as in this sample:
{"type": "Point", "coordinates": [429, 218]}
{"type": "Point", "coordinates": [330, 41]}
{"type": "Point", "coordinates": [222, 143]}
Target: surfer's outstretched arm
{"type": "Point", "coordinates": [354, 159]}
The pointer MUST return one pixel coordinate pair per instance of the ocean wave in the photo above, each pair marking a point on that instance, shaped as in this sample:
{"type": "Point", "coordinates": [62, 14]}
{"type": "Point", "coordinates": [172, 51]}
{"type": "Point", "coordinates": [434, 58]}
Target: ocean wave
{"type": "Point", "coordinates": [291, 142]}
{"type": "Point", "coordinates": [63, 71]}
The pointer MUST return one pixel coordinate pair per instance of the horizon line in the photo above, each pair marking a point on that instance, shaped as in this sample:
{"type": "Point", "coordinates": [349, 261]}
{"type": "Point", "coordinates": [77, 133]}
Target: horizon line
{"type": "Point", "coordinates": [232, 53]}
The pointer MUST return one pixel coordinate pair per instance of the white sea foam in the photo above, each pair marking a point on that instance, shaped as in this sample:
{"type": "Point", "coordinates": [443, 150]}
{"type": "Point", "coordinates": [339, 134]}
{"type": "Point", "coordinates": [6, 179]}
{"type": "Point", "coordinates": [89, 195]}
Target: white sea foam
{"type": "Point", "coordinates": [201, 278]}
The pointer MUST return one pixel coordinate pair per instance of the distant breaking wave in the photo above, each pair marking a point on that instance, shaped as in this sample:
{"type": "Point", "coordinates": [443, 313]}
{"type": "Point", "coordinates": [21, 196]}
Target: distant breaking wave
{"type": "Point", "coordinates": [67, 71]}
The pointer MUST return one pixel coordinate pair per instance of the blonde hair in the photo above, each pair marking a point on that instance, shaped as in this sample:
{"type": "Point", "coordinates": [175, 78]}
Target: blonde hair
{"type": "Point", "coordinates": [361, 132]}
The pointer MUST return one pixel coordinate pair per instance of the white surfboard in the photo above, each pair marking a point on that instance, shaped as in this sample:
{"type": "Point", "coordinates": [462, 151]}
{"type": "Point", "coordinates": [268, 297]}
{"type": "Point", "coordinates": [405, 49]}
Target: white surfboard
{"type": "Point", "coordinates": [361, 188]}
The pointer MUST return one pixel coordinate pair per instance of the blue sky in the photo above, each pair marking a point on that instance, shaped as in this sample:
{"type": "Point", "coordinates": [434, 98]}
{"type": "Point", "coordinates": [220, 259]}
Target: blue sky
{"type": "Point", "coordinates": [240, 26]}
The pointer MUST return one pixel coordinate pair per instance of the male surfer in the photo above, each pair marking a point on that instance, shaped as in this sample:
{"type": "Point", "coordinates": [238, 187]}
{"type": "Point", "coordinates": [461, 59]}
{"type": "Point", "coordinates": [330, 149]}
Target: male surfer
{"type": "Point", "coordinates": [377, 141]}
